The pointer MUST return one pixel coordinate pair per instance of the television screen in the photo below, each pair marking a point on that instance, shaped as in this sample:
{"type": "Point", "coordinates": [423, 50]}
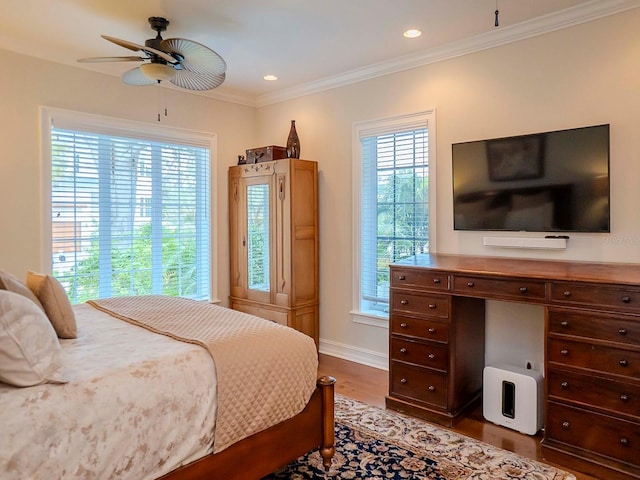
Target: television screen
{"type": "Point", "coordinates": [544, 182]}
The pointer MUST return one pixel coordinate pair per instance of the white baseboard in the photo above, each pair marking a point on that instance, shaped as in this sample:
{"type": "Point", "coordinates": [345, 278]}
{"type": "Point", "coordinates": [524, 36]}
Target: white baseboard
{"type": "Point", "coordinates": [355, 354]}
{"type": "Point", "coordinates": [526, 242]}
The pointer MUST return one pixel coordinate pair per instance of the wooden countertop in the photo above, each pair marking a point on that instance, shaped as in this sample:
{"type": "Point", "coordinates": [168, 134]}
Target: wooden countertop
{"type": "Point", "coordinates": [573, 271]}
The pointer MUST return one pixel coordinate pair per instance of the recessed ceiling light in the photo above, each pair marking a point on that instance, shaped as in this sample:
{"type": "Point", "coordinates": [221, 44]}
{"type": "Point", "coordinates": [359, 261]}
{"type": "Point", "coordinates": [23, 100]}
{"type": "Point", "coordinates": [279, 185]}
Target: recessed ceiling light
{"type": "Point", "coordinates": [270, 78]}
{"type": "Point", "coordinates": [412, 33]}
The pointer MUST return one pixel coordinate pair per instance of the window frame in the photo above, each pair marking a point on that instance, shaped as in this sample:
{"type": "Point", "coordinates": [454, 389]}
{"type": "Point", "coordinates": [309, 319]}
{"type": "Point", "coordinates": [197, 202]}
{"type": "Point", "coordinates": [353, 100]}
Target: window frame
{"type": "Point", "coordinates": [124, 128]}
{"type": "Point", "coordinates": [424, 119]}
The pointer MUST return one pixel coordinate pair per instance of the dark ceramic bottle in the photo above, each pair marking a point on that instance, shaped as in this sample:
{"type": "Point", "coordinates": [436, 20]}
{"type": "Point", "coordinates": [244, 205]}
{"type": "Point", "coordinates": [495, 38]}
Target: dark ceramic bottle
{"type": "Point", "coordinates": [293, 142]}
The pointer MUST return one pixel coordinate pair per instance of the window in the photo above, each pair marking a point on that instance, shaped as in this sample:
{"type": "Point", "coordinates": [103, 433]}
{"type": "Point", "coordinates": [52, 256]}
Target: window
{"type": "Point", "coordinates": [130, 209]}
{"type": "Point", "coordinates": [392, 206]}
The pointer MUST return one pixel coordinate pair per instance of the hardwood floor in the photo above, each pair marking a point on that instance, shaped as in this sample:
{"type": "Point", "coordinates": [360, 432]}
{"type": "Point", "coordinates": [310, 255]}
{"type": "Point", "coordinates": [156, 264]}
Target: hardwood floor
{"type": "Point", "coordinates": [370, 385]}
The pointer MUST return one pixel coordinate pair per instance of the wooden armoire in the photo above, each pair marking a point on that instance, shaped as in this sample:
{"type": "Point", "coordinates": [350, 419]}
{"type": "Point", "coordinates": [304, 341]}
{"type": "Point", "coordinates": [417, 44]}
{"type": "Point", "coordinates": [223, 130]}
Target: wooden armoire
{"type": "Point", "coordinates": [273, 242]}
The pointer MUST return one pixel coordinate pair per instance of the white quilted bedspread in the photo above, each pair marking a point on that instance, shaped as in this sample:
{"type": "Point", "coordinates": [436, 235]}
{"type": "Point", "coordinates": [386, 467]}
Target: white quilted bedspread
{"type": "Point", "coordinates": [137, 405]}
{"type": "Point", "coordinates": [266, 371]}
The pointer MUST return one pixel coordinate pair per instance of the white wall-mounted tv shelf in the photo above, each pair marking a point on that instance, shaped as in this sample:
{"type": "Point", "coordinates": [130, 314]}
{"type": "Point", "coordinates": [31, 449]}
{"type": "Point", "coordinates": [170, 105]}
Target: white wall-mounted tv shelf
{"type": "Point", "coordinates": [551, 243]}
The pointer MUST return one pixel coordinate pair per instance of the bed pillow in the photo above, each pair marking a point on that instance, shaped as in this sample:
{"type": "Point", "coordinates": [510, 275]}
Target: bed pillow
{"type": "Point", "coordinates": [56, 303]}
{"type": "Point", "coordinates": [11, 283]}
{"type": "Point", "coordinates": [30, 353]}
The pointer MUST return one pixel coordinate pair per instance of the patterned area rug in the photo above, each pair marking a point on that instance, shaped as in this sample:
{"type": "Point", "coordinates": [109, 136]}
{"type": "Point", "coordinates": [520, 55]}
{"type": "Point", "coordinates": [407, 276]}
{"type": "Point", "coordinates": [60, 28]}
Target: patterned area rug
{"type": "Point", "coordinates": [377, 444]}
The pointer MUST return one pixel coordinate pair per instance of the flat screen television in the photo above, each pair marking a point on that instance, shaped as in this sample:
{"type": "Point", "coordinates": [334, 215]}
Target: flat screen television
{"type": "Point", "coordinates": [545, 182]}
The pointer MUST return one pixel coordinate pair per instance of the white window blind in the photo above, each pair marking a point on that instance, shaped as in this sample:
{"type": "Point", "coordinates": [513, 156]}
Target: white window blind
{"type": "Point", "coordinates": [129, 216]}
{"type": "Point", "coordinates": [394, 206]}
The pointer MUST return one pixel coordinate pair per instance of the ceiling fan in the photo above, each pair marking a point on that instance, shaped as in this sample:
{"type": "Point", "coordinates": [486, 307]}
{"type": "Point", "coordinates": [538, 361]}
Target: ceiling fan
{"type": "Point", "coordinates": [184, 63]}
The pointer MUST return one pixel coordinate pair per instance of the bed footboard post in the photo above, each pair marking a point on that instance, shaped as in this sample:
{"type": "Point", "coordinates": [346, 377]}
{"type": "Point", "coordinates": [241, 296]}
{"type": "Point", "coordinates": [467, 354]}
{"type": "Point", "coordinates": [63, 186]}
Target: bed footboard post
{"type": "Point", "coordinates": [327, 449]}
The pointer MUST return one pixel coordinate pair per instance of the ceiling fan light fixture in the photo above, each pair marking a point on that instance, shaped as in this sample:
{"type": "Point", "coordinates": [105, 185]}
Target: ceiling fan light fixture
{"type": "Point", "coordinates": [158, 71]}
{"type": "Point", "coordinates": [184, 63]}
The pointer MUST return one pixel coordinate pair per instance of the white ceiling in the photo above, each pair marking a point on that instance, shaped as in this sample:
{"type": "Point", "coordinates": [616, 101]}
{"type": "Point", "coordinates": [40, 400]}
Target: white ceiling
{"type": "Point", "coordinates": [308, 44]}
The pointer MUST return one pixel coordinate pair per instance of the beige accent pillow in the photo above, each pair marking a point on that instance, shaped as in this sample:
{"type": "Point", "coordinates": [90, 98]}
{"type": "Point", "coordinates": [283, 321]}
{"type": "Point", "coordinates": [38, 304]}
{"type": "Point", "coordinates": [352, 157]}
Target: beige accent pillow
{"type": "Point", "coordinates": [9, 282]}
{"type": "Point", "coordinates": [56, 303]}
{"type": "Point", "coordinates": [30, 353]}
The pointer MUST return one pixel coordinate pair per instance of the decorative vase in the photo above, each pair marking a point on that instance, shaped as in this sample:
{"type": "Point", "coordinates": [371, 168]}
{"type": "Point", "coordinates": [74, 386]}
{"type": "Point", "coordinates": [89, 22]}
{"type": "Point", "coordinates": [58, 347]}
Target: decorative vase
{"type": "Point", "coordinates": [293, 142]}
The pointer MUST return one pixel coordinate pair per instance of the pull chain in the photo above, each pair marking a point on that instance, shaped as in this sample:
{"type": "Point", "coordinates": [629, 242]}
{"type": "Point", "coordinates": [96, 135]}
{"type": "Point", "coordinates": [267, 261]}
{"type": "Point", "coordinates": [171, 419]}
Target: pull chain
{"type": "Point", "coordinates": [497, 24]}
{"type": "Point", "coordinates": [162, 101]}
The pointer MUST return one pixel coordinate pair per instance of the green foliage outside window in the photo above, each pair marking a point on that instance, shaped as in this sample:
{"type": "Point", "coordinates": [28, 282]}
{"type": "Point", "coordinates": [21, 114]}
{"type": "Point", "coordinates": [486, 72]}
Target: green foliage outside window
{"type": "Point", "coordinates": [131, 267]}
{"type": "Point", "coordinates": [403, 219]}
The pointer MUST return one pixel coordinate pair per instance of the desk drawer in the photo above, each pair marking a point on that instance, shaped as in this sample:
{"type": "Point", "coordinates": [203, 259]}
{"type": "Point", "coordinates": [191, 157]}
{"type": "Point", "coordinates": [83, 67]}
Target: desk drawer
{"type": "Point", "coordinates": [590, 431]}
{"type": "Point", "coordinates": [428, 354]}
{"type": "Point", "coordinates": [618, 397]}
{"type": "Point", "coordinates": [418, 383]}
{"type": "Point", "coordinates": [432, 305]}
{"type": "Point", "coordinates": [419, 279]}
{"type": "Point", "coordinates": [612, 296]}
{"type": "Point", "coordinates": [625, 330]}
{"type": "Point", "coordinates": [616, 361]}
{"type": "Point", "coordinates": [513, 288]}
{"type": "Point", "coordinates": [427, 329]}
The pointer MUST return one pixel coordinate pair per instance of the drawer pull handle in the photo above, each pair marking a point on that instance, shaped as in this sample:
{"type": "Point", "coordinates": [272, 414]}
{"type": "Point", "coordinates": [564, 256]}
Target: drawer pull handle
{"type": "Point", "coordinates": [401, 277]}
{"type": "Point", "coordinates": [623, 363]}
{"type": "Point", "coordinates": [566, 425]}
{"type": "Point", "coordinates": [432, 356]}
{"type": "Point", "coordinates": [431, 388]}
{"type": "Point", "coordinates": [564, 324]}
{"type": "Point", "coordinates": [567, 293]}
{"type": "Point", "coordinates": [624, 442]}
{"type": "Point", "coordinates": [403, 350]}
{"type": "Point", "coordinates": [436, 280]}
{"type": "Point", "coordinates": [565, 385]}
{"type": "Point", "coordinates": [564, 352]}
{"type": "Point", "coordinates": [622, 331]}
{"type": "Point", "coordinates": [626, 299]}
{"type": "Point", "coordinates": [404, 302]}
{"type": "Point", "coordinates": [624, 398]}
{"type": "Point", "coordinates": [431, 330]}
{"type": "Point", "coordinates": [523, 289]}
{"type": "Point", "coordinates": [403, 380]}
{"type": "Point", "coordinates": [403, 325]}
{"type": "Point", "coordinates": [432, 306]}
{"type": "Point", "coordinates": [470, 284]}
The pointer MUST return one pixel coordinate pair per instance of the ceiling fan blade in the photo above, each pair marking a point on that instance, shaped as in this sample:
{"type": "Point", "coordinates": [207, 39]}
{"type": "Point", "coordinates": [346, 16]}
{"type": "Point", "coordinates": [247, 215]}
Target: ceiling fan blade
{"type": "Point", "coordinates": [123, 43]}
{"type": "Point", "coordinates": [196, 57]}
{"type": "Point", "coordinates": [136, 77]}
{"type": "Point", "coordinates": [143, 48]}
{"type": "Point", "coordinates": [197, 81]}
{"type": "Point", "coordinates": [111, 59]}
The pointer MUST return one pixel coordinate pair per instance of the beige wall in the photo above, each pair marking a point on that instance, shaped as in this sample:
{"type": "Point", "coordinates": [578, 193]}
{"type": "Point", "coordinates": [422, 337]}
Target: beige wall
{"type": "Point", "coordinates": [584, 75]}
{"type": "Point", "coordinates": [27, 83]}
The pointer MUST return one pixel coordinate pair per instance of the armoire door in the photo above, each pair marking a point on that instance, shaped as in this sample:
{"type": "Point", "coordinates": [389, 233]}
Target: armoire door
{"type": "Point", "coordinates": [252, 237]}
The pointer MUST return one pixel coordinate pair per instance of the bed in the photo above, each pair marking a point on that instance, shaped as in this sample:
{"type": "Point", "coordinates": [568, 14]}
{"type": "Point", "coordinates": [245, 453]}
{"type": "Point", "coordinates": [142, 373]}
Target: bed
{"type": "Point", "coordinates": [132, 403]}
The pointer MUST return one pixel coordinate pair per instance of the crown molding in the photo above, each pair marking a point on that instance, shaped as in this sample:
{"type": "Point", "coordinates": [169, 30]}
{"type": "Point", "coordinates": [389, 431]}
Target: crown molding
{"type": "Point", "coordinates": [240, 99]}
{"type": "Point", "coordinates": [569, 17]}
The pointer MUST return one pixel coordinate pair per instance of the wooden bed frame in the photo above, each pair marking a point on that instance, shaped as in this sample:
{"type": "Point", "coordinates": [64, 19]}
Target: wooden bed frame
{"type": "Point", "coordinates": [266, 451]}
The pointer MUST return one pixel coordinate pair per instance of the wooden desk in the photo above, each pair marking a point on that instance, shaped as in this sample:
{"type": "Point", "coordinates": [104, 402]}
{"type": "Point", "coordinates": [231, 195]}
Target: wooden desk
{"type": "Point", "coordinates": [592, 348]}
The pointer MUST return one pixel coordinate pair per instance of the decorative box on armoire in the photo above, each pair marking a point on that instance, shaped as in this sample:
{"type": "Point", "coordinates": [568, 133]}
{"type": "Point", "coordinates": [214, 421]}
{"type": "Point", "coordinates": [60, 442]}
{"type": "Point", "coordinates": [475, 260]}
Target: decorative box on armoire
{"type": "Point", "coordinates": [273, 242]}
